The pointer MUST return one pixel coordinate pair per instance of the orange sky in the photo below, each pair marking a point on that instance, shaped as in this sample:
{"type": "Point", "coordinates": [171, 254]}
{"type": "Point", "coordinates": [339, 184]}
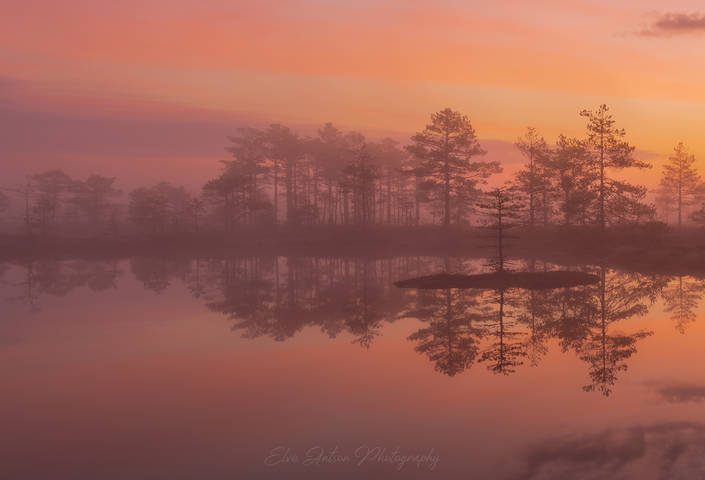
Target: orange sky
{"type": "Point", "coordinates": [379, 67]}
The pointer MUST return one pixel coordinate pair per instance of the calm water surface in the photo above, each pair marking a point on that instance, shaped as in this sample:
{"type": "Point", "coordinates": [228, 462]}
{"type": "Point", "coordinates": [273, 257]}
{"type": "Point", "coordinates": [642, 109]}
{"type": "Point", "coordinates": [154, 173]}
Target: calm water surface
{"type": "Point", "coordinates": [299, 367]}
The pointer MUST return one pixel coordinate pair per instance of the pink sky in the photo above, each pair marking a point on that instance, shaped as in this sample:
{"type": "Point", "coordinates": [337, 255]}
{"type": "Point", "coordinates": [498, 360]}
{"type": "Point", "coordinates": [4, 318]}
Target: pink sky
{"type": "Point", "coordinates": [155, 84]}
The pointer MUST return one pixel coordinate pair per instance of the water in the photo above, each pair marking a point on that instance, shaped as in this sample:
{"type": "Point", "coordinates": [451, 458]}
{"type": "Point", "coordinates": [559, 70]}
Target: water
{"type": "Point", "coordinates": [300, 367]}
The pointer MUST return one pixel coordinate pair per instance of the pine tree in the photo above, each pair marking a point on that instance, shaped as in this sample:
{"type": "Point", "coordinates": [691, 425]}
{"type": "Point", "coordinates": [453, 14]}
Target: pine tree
{"type": "Point", "coordinates": [531, 179]}
{"type": "Point", "coordinates": [608, 150]}
{"type": "Point", "coordinates": [680, 182]}
{"type": "Point", "coordinates": [502, 208]}
{"type": "Point", "coordinates": [446, 147]}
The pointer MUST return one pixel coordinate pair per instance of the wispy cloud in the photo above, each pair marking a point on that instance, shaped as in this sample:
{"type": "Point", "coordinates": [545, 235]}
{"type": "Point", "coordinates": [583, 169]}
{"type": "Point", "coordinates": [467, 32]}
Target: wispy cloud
{"type": "Point", "coordinates": [669, 24]}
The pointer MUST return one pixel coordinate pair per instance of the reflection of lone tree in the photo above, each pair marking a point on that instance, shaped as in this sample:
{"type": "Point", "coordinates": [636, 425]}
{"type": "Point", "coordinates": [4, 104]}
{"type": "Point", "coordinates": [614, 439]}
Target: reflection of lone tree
{"type": "Point", "coordinates": [681, 299]}
{"type": "Point", "coordinates": [502, 208]}
{"type": "Point", "coordinates": [505, 353]}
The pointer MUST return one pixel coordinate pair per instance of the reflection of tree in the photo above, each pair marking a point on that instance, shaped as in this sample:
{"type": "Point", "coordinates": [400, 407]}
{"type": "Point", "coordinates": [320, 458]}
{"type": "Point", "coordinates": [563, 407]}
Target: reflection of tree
{"type": "Point", "coordinates": [58, 278]}
{"type": "Point", "coordinates": [97, 276]}
{"type": "Point", "coordinates": [619, 297]}
{"type": "Point", "coordinates": [535, 316]}
{"type": "Point", "coordinates": [29, 292]}
{"type": "Point", "coordinates": [450, 339]}
{"type": "Point", "coordinates": [363, 315]}
{"type": "Point", "coordinates": [535, 313]}
{"type": "Point", "coordinates": [505, 353]}
{"type": "Point", "coordinates": [519, 323]}
{"type": "Point", "coordinates": [681, 298]}
{"type": "Point", "coordinates": [573, 312]}
{"type": "Point", "coordinates": [278, 297]}
{"type": "Point", "coordinates": [463, 324]}
{"type": "Point", "coordinates": [244, 292]}
{"type": "Point", "coordinates": [157, 272]}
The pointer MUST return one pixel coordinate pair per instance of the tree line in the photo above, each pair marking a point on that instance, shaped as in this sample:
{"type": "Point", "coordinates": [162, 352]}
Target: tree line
{"type": "Point", "coordinates": [276, 176]}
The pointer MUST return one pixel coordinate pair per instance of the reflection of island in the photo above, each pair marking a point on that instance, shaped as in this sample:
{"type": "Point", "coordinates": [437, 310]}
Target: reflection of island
{"type": "Point", "coordinates": [510, 324]}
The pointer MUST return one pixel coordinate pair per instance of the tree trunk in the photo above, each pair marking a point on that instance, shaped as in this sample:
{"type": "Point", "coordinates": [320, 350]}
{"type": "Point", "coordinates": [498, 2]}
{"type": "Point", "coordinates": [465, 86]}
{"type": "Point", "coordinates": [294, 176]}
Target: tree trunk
{"type": "Point", "coordinates": [602, 185]}
{"type": "Point", "coordinates": [500, 246]}
{"type": "Point", "coordinates": [446, 197]}
{"type": "Point", "coordinates": [532, 182]}
{"type": "Point", "coordinates": [276, 192]}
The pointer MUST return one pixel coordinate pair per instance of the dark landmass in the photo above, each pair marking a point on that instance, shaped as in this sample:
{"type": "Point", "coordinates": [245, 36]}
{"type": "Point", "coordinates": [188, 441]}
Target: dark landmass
{"type": "Point", "coordinates": [502, 280]}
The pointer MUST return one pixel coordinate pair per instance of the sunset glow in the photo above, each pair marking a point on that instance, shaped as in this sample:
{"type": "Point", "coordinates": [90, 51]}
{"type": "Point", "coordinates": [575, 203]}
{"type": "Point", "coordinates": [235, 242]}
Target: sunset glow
{"type": "Point", "coordinates": [378, 67]}
{"type": "Point", "coordinates": [352, 239]}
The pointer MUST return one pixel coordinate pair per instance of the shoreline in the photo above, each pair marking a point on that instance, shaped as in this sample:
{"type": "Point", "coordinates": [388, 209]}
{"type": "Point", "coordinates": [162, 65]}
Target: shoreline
{"type": "Point", "coordinates": [633, 248]}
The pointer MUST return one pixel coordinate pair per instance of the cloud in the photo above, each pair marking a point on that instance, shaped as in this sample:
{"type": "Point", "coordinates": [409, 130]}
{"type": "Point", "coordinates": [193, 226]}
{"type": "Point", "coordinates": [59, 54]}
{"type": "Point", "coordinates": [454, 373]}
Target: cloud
{"type": "Point", "coordinates": [669, 24]}
{"type": "Point", "coordinates": [674, 450]}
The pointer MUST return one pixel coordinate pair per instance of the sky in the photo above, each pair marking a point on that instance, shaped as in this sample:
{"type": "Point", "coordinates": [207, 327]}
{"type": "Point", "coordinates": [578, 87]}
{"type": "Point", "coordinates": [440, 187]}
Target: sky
{"type": "Point", "coordinates": [149, 89]}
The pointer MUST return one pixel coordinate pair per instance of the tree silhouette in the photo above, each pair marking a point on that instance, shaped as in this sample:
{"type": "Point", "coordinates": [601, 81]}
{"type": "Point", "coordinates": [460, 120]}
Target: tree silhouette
{"type": "Point", "coordinates": [680, 182]}
{"type": "Point", "coordinates": [149, 209]}
{"type": "Point", "coordinates": [397, 199]}
{"type": "Point", "coordinates": [94, 198]}
{"type": "Point", "coordinates": [285, 149]}
{"type": "Point", "coordinates": [227, 195]}
{"type": "Point", "coordinates": [569, 167]}
{"type": "Point", "coordinates": [50, 188]}
{"type": "Point", "coordinates": [359, 179]}
{"type": "Point", "coordinates": [531, 179]}
{"type": "Point", "coordinates": [609, 150]}
{"type": "Point", "coordinates": [446, 147]}
{"type": "Point", "coordinates": [502, 209]}
{"type": "Point", "coordinates": [248, 149]}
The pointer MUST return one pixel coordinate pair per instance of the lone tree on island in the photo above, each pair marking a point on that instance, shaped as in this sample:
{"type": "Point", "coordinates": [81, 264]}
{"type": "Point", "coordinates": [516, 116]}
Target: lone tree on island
{"type": "Point", "coordinates": [503, 209]}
